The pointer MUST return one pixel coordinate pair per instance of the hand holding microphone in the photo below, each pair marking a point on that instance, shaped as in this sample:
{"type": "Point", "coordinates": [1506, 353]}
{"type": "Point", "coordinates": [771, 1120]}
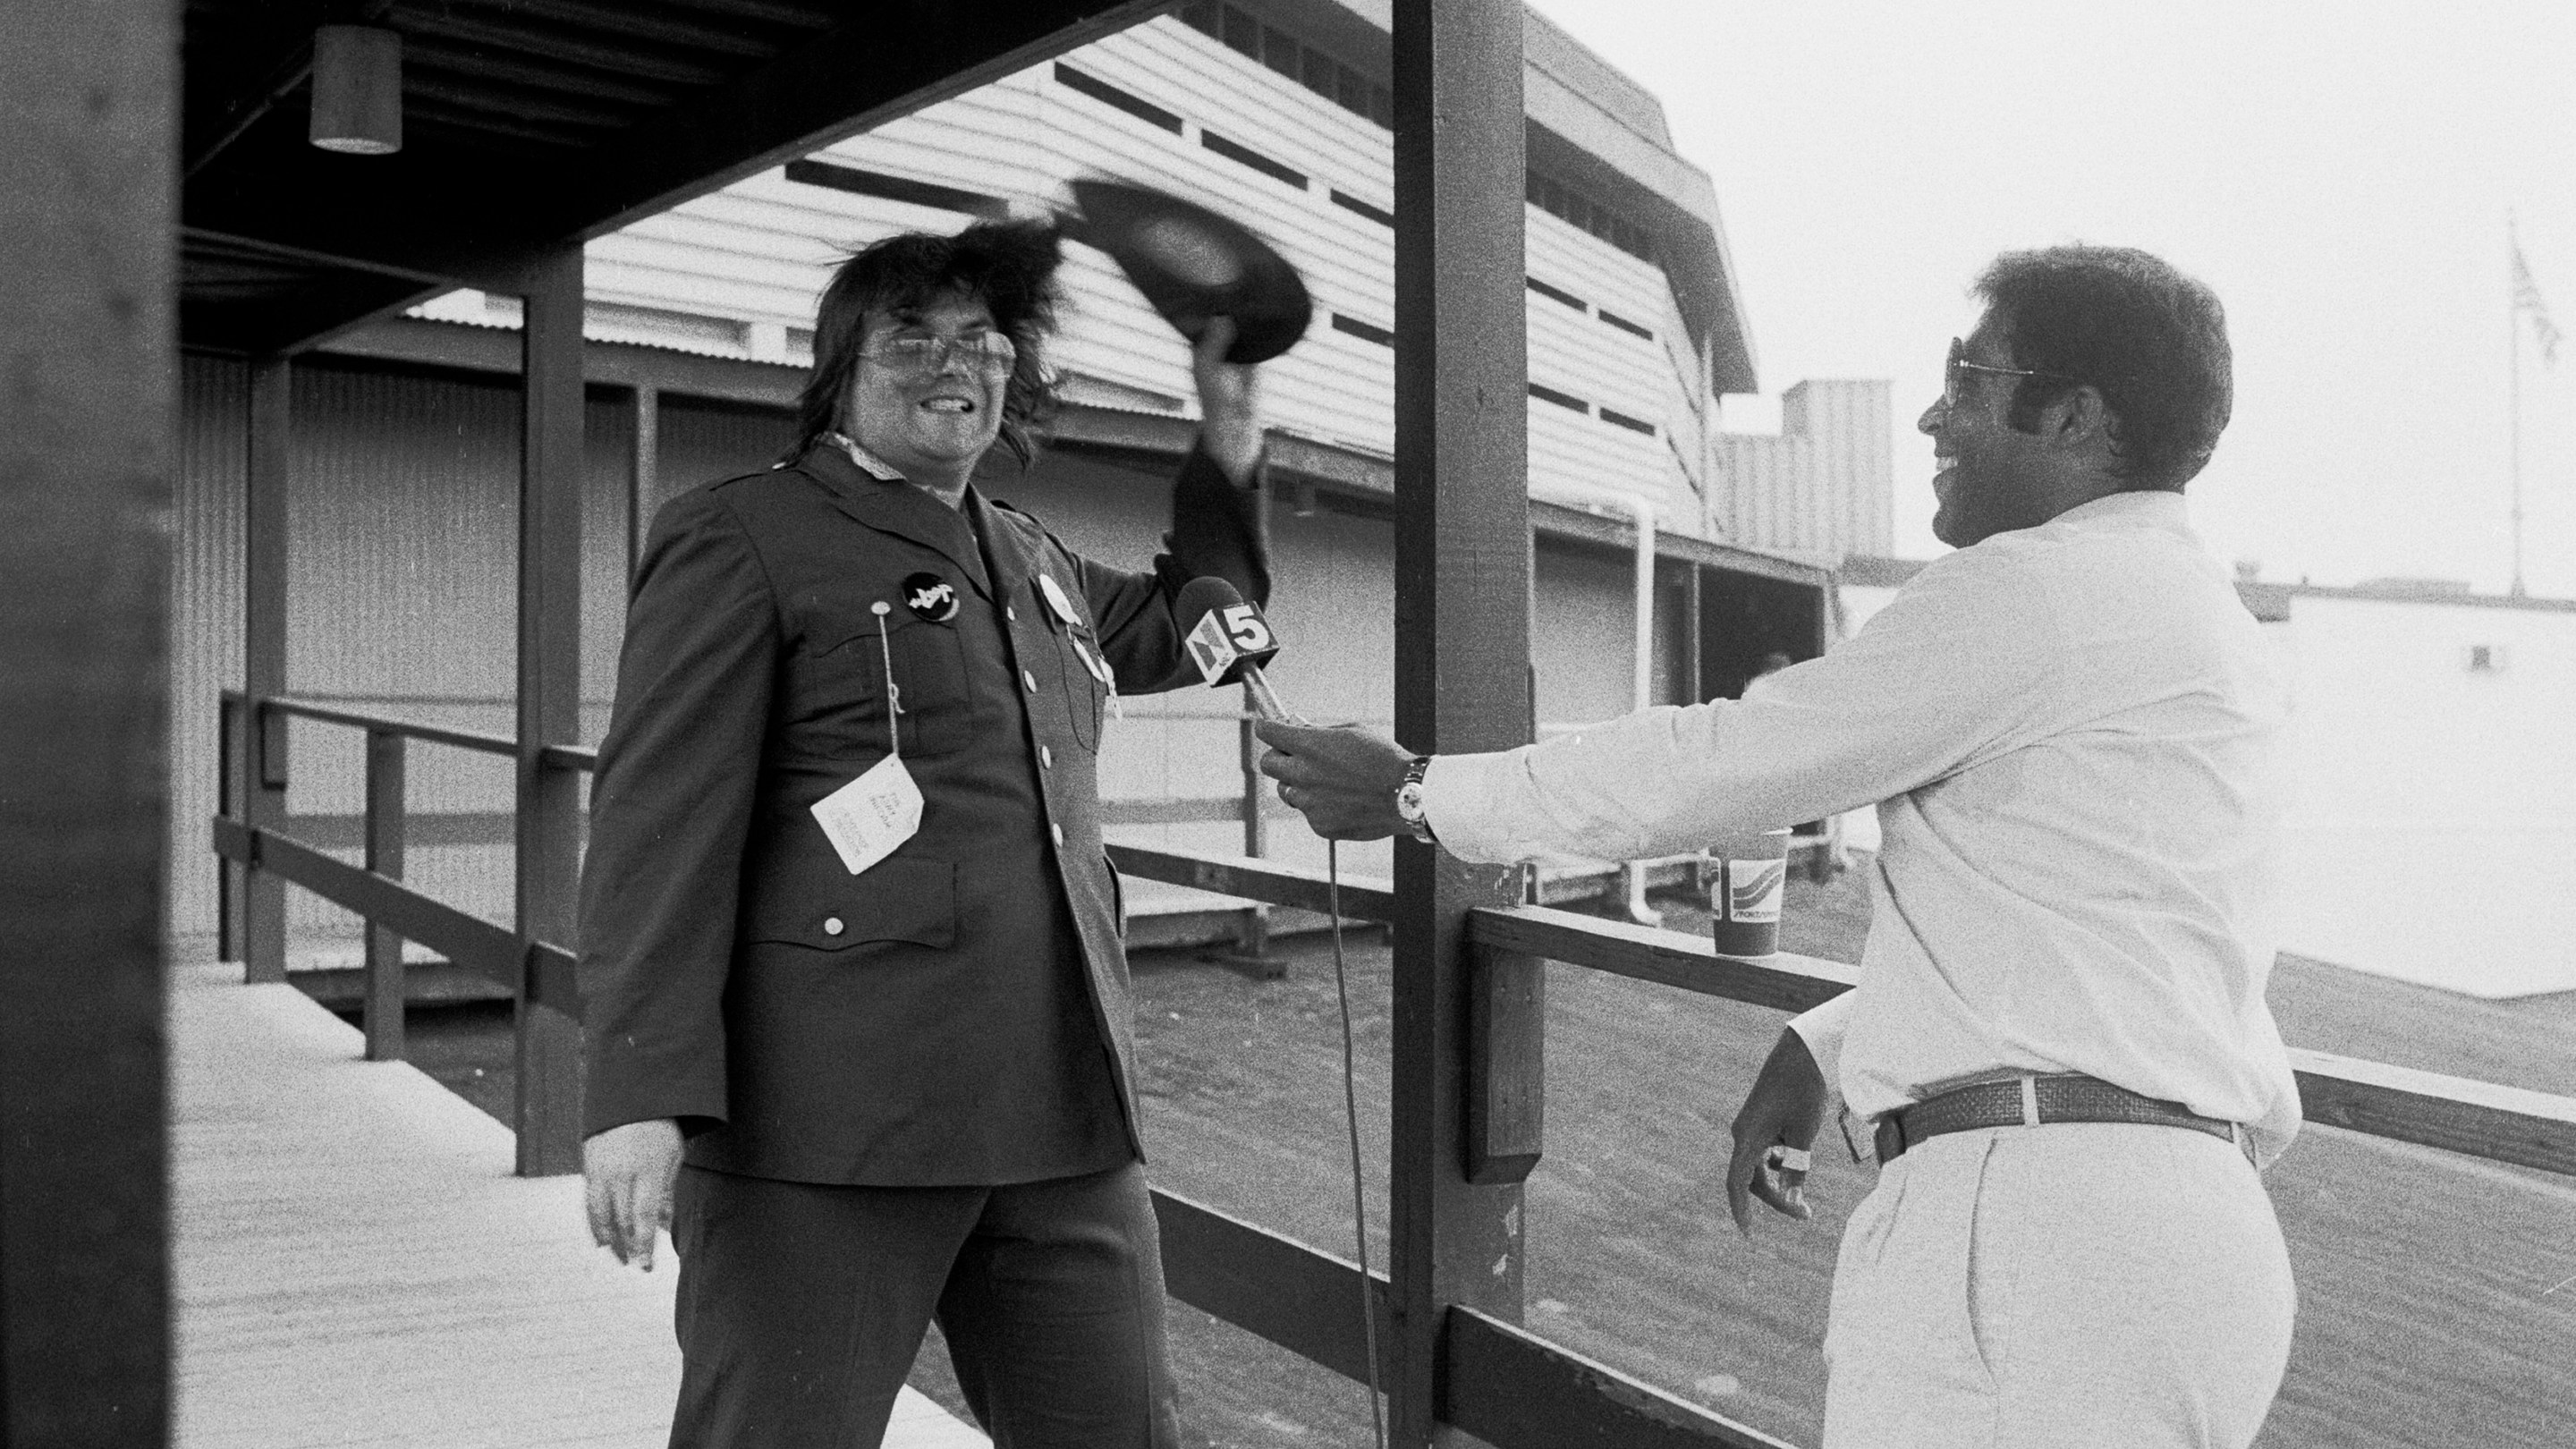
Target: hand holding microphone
{"type": "Point", "coordinates": [1341, 777]}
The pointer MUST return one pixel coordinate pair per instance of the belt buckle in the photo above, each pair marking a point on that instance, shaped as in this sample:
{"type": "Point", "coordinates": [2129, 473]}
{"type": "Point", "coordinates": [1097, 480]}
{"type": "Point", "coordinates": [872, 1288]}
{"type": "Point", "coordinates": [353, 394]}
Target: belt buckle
{"type": "Point", "coordinates": [1887, 1138]}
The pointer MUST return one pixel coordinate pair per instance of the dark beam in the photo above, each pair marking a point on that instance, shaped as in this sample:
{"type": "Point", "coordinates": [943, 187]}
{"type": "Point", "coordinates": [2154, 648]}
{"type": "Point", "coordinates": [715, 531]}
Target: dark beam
{"type": "Point", "coordinates": [1611, 533]}
{"type": "Point", "coordinates": [88, 429]}
{"type": "Point", "coordinates": [1262, 880]}
{"type": "Point", "coordinates": [474, 35]}
{"type": "Point", "coordinates": [626, 21]}
{"type": "Point", "coordinates": [1515, 1390]}
{"type": "Point", "coordinates": [477, 97]}
{"type": "Point", "coordinates": [1300, 1298]}
{"type": "Point", "coordinates": [381, 1013]}
{"type": "Point", "coordinates": [890, 61]}
{"type": "Point", "coordinates": [410, 341]}
{"type": "Point", "coordinates": [469, 941]}
{"type": "Point", "coordinates": [296, 319]}
{"type": "Point", "coordinates": [1669, 958]}
{"type": "Point", "coordinates": [264, 54]}
{"type": "Point", "coordinates": [430, 55]}
{"type": "Point", "coordinates": [551, 468]}
{"type": "Point", "coordinates": [1461, 646]}
{"type": "Point", "coordinates": [264, 535]}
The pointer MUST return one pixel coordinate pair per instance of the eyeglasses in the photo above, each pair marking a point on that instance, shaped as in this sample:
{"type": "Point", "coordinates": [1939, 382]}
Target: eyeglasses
{"type": "Point", "coordinates": [1954, 380]}
{"type": "Point", "coordinates": [984, 352]}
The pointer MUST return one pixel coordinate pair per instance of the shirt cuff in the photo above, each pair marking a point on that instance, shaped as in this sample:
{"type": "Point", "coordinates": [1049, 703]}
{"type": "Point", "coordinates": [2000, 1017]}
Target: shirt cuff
{"type": "Point", "coordinates": [1455, 792]}
{"type": "Point", "coordinates": [1822, 1028]}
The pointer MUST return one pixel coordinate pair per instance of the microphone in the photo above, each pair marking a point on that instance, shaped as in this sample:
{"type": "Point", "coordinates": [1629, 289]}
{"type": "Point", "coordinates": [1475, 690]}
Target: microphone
{"type": "Point", "coordinates": [1230, 641]}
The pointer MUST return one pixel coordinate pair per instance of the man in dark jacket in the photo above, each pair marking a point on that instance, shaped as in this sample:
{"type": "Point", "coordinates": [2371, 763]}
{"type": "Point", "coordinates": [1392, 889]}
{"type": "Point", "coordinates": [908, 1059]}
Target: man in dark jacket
{"type": "Point", "coordinates": [857, 1011]}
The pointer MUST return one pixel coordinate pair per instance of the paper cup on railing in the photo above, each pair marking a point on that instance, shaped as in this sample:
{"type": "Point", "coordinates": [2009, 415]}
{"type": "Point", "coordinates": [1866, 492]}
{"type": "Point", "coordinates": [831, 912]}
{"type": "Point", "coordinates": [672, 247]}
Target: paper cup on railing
{"type": "Point", "coordinates": [1750, 875]}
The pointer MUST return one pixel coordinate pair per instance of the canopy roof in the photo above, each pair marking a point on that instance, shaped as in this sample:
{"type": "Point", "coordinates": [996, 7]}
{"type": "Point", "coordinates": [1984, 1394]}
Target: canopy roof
{"type": "Point", "coordinates": [529, 125]}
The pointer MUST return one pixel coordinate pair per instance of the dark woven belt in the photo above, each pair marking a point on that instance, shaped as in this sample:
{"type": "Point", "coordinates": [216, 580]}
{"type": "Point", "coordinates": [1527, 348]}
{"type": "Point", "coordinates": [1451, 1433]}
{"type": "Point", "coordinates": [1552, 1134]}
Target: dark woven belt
{"type": "Point", "coordinates": [2065, 1098]}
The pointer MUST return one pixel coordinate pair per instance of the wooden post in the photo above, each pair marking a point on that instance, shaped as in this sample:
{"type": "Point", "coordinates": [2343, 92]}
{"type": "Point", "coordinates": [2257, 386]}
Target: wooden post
{"type": "Point", "coordinates": [382, 1012]}
{"type": "Point", "coordinates": [1461, 657]}
{"type": "Point", "coordinates": [548, 1112]}
{"type": "Point", "coordinates": [229, 773]}
{"type": "Point", "coordinates": [1686, 636]}
{"type": "Point", "coordinates": [264, 544]}
{"type": "Point", "coordinates": [644, 472]}
{"type": "Point", "coordinates": [1252, 935]}
{"type": "Point", "coordinates": [90, 419]}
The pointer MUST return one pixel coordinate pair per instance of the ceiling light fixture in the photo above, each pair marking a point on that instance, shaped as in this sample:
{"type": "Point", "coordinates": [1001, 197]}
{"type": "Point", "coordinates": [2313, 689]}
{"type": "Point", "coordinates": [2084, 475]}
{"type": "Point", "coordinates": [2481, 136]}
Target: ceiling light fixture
{"type": "Point", "coordinates": [357, 90]}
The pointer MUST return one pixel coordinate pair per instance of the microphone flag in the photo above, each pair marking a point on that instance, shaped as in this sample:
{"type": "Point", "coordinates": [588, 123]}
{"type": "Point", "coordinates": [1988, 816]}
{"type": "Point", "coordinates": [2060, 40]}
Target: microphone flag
{"type": "Point", "coordinates": [1229, 637]}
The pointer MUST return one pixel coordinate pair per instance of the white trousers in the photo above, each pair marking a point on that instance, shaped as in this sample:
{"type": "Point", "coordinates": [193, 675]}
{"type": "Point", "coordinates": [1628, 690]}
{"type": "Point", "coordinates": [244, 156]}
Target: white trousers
{"type": "Point", "coordinates": [2071, 1286]}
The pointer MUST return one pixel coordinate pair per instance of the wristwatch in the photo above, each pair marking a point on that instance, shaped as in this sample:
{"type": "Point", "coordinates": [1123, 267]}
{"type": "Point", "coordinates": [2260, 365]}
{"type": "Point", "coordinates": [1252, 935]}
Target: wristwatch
{"type": "Point", "coordinates": [1408, 801]}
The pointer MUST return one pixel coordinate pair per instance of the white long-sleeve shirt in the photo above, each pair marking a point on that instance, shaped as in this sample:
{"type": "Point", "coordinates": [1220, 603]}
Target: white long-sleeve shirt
{"type": "Point", "coordinates": [2070, 733]}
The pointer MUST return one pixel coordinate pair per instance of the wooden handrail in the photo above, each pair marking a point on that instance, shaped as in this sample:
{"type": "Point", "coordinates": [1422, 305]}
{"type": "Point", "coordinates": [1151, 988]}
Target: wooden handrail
{"type": "Point", "coordinates": [1512, 1387]}
{"type": "Point", "coordinates": [475, 740]}
{"type": "Point", "coordinates": [2457, 1114]}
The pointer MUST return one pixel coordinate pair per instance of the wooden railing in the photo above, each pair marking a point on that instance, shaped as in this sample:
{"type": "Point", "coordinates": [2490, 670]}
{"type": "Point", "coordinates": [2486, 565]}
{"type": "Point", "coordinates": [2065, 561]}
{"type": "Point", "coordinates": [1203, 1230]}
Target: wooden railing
{"type": "Point", "coordinates": [1502, 1383]}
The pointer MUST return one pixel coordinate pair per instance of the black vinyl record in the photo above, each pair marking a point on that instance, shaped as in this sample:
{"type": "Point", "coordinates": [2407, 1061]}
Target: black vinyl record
{"type": "Point", "coordinates": [1193, 264]}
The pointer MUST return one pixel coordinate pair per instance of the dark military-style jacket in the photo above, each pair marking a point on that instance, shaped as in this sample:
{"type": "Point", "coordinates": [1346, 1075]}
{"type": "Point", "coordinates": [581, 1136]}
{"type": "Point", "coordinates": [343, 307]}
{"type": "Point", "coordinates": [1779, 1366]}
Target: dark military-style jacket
{"type": "Point", "coordinates": [959, 1012]}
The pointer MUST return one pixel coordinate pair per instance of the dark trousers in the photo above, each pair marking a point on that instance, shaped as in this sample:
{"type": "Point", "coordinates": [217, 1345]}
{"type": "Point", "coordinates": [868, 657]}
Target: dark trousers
{"type": "Point", "coordinates": [802, 1307]}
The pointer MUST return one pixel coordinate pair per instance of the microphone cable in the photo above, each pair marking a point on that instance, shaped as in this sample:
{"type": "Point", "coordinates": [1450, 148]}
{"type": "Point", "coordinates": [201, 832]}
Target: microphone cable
{"type": "Point", "coordinates": [1351, 1119]}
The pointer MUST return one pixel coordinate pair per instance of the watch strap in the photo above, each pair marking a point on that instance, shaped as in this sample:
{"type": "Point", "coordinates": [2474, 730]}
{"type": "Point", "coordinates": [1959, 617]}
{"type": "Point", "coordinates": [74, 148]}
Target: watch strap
{"type": "Point", "coordinates": [1417, 822]}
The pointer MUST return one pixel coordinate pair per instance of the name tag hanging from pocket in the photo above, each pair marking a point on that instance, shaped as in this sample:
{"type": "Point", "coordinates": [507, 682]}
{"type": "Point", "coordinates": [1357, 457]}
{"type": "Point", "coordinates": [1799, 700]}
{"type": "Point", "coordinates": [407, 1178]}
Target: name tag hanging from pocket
{"type": "Point", "coordinates": [867, 818]}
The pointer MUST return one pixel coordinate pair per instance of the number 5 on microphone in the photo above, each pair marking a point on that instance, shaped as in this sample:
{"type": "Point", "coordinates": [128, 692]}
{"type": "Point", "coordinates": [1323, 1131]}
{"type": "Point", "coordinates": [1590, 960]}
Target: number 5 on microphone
{"type": "Point", "coordinates": [1249, 631]}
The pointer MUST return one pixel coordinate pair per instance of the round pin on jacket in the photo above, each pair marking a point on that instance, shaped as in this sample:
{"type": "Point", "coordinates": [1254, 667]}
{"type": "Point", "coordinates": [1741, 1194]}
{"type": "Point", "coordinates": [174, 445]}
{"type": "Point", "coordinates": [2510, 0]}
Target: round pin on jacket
{"type": "Point", "coordinates": [930, 597]}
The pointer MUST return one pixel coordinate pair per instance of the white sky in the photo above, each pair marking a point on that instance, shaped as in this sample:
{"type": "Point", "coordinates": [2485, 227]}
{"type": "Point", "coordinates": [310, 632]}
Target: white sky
{"type": "Point", "coordinates": [2339, 173]}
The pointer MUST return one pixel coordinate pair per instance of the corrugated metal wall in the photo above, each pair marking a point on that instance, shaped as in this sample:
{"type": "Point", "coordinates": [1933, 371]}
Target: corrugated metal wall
{"type": "Point", "coordinates": [1854, 484]}
{"type": "Point", "coordinates": [1824, 485]}
{"type": "Point", "coordinates": [205, 617]}
{"type": "Point", "coordinates": [401, 577]}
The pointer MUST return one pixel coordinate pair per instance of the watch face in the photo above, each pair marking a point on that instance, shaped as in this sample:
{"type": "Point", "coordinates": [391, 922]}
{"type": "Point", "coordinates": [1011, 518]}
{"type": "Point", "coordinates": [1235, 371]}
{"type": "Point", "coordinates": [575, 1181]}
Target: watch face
{"type": "Point", "coordinates": [1408, 802]}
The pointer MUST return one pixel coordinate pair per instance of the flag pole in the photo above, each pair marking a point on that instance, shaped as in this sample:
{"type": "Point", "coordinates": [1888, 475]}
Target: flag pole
{"type": "Point", "coordinates": [2513, 390]}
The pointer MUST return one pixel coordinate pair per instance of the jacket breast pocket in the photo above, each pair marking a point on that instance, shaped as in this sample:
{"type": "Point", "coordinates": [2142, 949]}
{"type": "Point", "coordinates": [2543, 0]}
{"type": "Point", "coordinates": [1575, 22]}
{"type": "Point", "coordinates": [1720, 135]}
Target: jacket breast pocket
{"type": "Point", "coordinates": [841, 702]}
{"type": "Point", "coordinates": [803, 899]}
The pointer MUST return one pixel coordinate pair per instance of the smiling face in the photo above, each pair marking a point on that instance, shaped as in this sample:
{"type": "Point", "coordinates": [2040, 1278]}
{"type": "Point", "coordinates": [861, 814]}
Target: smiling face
{"type": "Point", "coordinates": [1992, 478]}
{"type": "Point", "coordinates": [932, 414]}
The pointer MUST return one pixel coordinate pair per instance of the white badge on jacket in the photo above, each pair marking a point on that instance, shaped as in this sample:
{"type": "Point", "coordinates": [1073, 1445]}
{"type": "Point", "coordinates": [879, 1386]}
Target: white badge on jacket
{"type": "Point", "coordinates": [868, 817]}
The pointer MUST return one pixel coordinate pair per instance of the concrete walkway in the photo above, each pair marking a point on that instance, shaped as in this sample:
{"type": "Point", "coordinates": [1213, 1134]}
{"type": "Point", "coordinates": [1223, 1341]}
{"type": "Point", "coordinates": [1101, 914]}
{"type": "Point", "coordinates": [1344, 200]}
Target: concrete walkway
{"type": "Point", "coordinates": [355, 1264]}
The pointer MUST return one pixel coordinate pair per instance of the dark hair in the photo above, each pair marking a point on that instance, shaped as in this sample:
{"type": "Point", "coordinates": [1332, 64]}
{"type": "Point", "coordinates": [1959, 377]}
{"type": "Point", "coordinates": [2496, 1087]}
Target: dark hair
{"type": "Point", "coordinates": [2151, 340]}
{"type": "Point", "coordinates": [1009, 266]}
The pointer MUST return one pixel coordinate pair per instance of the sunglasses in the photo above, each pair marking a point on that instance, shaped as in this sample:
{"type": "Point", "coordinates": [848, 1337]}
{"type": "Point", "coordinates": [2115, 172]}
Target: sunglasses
{"type": "Point", "coordinates": [985, 352]}
{"type": "Point", "coordinates": [1954, 376]}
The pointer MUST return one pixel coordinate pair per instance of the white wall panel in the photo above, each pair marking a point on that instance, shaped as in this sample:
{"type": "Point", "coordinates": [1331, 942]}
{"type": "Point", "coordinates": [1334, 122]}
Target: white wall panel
{"type": "Point", "coordinates": [2432, 833]}
{"type": "Point", "coordinates": [761, 251]}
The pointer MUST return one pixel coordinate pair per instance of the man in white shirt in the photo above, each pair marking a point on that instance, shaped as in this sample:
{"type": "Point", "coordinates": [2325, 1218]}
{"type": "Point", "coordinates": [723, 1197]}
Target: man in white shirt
{"type": "Point", "coordinates": [2069, 728]}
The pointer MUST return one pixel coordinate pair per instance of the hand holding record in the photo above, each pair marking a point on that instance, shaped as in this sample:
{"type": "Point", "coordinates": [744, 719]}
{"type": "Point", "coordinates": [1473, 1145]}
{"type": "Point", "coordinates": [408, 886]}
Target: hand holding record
{"type": "Point", "coordinates": [1229, 400]}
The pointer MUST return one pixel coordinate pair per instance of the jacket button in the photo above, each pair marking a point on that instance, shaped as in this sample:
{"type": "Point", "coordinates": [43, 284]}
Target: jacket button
{"type": "Point", "coordinates": [1010, 613]}
{"type": "Point", "coordinates": [831, 925]}
{"type": "Point", "coordinates": [1046, 757]}
{"type": "Point", "coordinates": [1030, 680]}
{"type": "Point", "coordinates": [1058, 832]}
